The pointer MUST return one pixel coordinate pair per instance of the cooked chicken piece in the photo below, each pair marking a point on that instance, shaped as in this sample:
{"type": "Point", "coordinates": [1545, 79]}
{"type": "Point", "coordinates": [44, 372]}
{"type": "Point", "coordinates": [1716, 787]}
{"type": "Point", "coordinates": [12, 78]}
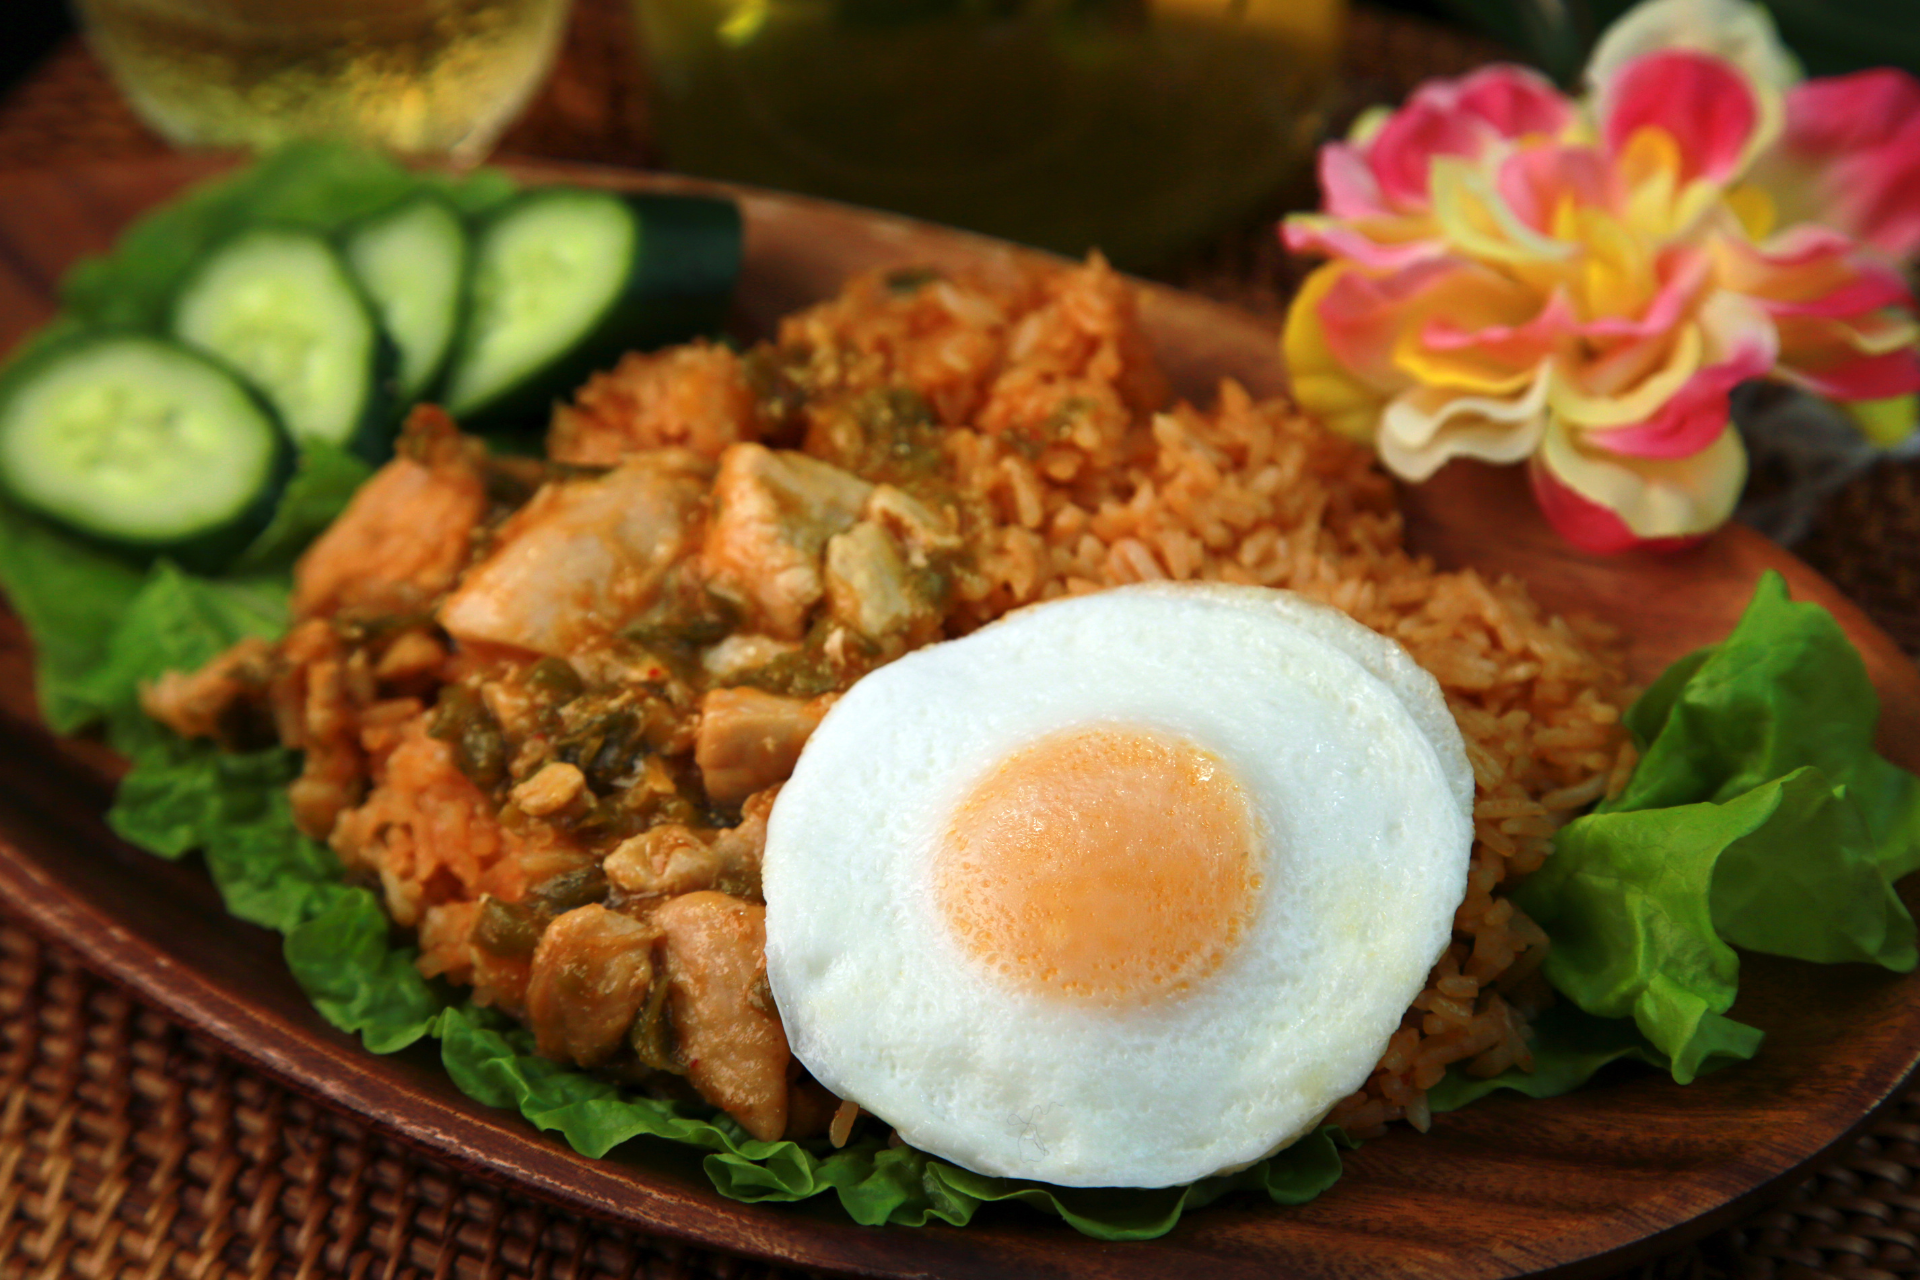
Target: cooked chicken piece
{"type": "Point", "coordinates": [414, 655]}
{"type": "Point", "coordinates": [696, 397]}
{"type": "Point", "coordinates": [870, 589]}
{"type": "Point", "coordinates": [672, 859]}
{"type": "Point", "coordinates": [223, 700]}
{"type": "Point", "coordinates": [920, 528]}
{"type": "Point", "coordinates": [584, 557]}
{"type": "Point", "coordinates": [740, 848]}
{"type": "Point", "coordinates": [727, 1034]}
{"type": "Point", "coordinates": [666, 860]}
{"type": "Point", "coordinates": [315, 712]}
{"type": "Point", "coordinates": [405, 535]}
{"type": "Point", "coordinates": [739, 654]}
{"type": "Point", "coordinates": [550, 791]}
{"type": "Point", "coordinates": [589, 983]}
{"type": "Point", "coordinates": [773, 514]}
{"type": "Point", "coordinates": [749, 740]}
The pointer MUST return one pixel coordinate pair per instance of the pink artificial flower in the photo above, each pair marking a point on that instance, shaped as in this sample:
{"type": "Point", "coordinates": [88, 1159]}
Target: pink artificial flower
{"type": "Point", "coordinates": [1856, 139]}
{"type": "Point", "coordinates": [1517, 276]}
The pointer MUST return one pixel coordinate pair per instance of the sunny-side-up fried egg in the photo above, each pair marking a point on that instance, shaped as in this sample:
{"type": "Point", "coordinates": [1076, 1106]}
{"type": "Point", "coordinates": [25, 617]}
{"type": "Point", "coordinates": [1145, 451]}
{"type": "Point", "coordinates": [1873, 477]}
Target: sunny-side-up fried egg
{"type": "Point", "coordinates": [1122, 890]}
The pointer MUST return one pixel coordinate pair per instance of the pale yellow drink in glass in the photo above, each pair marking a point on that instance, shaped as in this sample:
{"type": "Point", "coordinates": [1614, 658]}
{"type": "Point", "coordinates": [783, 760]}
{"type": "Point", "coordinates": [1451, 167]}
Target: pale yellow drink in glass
{"type": "Point", "coordinates": [1134, 126]}
{"type": "Point", "coordinates": [424, 77]}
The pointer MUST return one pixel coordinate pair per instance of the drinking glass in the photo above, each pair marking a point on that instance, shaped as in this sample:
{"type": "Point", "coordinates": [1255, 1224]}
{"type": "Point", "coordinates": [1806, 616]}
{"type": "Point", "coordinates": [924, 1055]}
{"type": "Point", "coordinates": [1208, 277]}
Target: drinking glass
{"type": "Point", "coordinates": [1133, 126]}
{"type": "Point", "coordinates": [419, 77]}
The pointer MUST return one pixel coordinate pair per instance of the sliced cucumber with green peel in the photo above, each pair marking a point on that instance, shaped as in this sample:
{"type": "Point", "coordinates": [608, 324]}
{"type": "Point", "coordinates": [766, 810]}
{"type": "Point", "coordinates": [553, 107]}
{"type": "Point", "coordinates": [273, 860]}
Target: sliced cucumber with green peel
{"type": "Point", "coordinates": [412, 262]}
{"type": "Point", "coordinates": [280, 306]}
{"type": "Point", "coordinates": [142, 444]}
{"type": "Point", "coordinates": [564, 280]}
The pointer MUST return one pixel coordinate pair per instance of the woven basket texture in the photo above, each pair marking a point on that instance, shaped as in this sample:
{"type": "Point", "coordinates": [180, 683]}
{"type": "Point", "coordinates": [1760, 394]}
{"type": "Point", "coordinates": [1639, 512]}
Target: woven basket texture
{"type": "Point", "coordinates": [130, 1147]}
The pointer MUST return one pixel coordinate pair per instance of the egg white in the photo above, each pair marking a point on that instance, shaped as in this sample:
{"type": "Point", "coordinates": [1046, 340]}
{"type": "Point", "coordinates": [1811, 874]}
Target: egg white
{"type": "Point", "coordinates": [1358, 780]}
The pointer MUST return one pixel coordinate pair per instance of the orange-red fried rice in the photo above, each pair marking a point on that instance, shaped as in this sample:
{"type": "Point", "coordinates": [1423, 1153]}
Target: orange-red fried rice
{"type": "Point", "coordinates": [1040, 457]}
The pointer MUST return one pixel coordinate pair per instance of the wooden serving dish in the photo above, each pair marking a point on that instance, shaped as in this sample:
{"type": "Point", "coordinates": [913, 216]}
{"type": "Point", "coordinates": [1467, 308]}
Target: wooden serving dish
{"type": "Point", "coordinates": [1586, 1184]}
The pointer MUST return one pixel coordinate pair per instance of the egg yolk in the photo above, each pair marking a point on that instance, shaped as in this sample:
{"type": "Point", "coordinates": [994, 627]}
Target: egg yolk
{"type": "Point", "coordinates": [1114, 865]}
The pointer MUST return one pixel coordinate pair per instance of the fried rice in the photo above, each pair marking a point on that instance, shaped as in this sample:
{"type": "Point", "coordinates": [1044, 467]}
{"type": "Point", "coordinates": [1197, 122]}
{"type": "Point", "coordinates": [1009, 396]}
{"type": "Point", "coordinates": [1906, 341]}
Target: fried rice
{"type": "Point", "coordinates": [1020, 420]}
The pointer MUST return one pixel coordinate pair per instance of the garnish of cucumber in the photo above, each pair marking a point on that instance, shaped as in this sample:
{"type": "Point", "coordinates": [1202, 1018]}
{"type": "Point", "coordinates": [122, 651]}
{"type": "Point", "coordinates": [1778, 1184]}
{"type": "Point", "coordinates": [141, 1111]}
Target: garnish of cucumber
{"type": "Point", "coordinates": [412, 262]}
{"type": "Point", "coordinates": [565, 279]}
{"type": "Point", "coordinates": [280, 306]}
{"type": "Point", "coordinates": [141, 444]}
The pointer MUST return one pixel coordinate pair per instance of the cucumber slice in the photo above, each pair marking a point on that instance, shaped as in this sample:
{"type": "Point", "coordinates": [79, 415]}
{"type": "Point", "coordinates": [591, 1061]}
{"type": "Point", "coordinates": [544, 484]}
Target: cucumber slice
{"type": "Point", "coordinates": [279, 306]}
{"type": "Point", "coordinates": [412, 262]}
{"type": "Point", "coordinates": [564, 280]}
{"type": "Point", "coordinates": [140, 443]}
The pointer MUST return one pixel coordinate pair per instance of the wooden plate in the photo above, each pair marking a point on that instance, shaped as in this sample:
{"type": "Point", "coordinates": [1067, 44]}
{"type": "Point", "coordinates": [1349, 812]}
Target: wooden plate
{"type": "Point", "coordinates": [1626, 1169]}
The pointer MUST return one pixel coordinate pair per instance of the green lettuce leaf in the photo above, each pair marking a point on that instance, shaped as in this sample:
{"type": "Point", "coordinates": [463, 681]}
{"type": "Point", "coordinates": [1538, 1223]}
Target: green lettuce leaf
{"type": "Point", "coordinates": [175, 621]}
{"type": "Point", "coordinates": [1786, 689]}
{"type": "Point", "coordinates": [492, 1060]}
{"type": "Point", "coordinates": [1569, 1046]}
{"type": "Point", "coordinates": [71, 598]}
{"type": "Point", "coordinates": [341, 954]}
{"type": "Point", "coordinates": [1759, 817]}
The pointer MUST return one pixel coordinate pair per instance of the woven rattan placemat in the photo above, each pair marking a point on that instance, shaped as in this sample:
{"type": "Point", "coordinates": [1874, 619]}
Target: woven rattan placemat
{"type": "Point", "coordinates": [131, 1147]}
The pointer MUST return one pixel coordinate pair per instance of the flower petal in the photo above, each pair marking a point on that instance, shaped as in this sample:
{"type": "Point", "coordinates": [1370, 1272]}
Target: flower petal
{"type": "Point", "coordinates": [1404, 150]}
{"type": "Point", "coordinates": [1514, 101]}
{"type": "Point", "coordinates": [1539, 182]}
{"type": "Point", "coordinates": [1425, 427]}
{"type": "Point", "coordinates": [1310, 233]}
{"type": "Point", "coordinates": [1653, 497]}
{"type": "Point", "coordinates": [1811, 271]}
{"type": "Point", "coordinates": [1704, 104]}
{"type": "Point", "coordinates": [1321, 384]}
{"type": "Point", "coordinates": [1835, 115]}
{"type": "Point", "coordinates": [1740, 345]}
{"type": "Point", "coordinates": [1621, 389]}
{"type": "Point", "coordinates": [1362, 315]}
{"type": "Point", "coordinates": [1480, 331]}
{"type": "Point", "coordinates": [1869, 377]}
{"type": "Point", "coordinates": [1476, 219]}
{"type": "Point", "coordinates": [1681, 278]}
{"type": "Point", "coordinates": [1856, 140]}
{"type": "Point", "coordinates": [1458, 118]}
{"type": "Point", "coordinates": [1348, 188]}
{"type": "Point", "coordinates": [1735, 30]}
{"type": "Point", "coordinates": [1588, 525]}
{"type": "Point", "coordinates": [1525, 343]}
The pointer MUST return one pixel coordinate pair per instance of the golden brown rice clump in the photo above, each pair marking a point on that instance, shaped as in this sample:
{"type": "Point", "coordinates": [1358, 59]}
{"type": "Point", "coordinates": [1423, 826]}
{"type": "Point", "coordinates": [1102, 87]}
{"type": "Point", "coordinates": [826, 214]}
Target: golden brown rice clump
{"type": "Point", "coordinates": [1080, 480]}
